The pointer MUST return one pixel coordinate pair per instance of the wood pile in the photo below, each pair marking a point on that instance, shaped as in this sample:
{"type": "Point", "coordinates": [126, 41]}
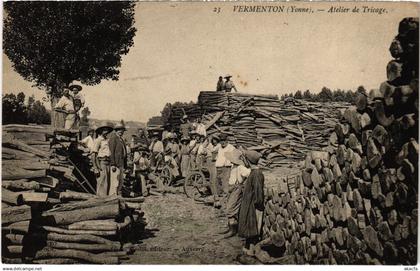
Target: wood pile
{"type": "Point", "coordinates": [283, 132]}
{"type": "Point", "coordinates": [45, 219]}
{"type": "Point", "coordinates": [357, 202]}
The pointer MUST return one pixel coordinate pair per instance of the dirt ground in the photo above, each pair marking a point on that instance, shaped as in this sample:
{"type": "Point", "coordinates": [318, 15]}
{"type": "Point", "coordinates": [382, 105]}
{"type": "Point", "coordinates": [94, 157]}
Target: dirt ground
{"type": "Point", "coordinates": [181, 231]}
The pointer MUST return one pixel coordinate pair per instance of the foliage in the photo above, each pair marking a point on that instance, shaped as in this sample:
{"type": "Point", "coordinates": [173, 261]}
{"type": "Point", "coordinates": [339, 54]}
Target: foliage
{"type": "Point", "coordinates": [16, 111]}
{"type": "Point", "coordinates": [55, 43]}
{"type": "Point", "coordinates": [298, 95]}
{"type": "Point", "coordinates": [327, 95]}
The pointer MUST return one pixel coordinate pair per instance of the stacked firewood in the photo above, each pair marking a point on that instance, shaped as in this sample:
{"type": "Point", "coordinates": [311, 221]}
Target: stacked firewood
{"type": "Point", "coordinates": [356, 202]}
{"type": "Point", "coordinates": [44, 217]}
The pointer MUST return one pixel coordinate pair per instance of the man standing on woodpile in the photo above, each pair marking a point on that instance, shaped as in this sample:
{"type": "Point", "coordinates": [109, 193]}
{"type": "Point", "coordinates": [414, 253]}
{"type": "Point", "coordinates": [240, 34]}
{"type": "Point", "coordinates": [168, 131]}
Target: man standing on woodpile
{"type": "Point", "coordinates": [79, 102]}
{"type": "Point", "coordinates": [220, 84]}
{"type": "Point", "coordinates": [101, 160]}
{"type": "Point", "coordinates": [229, 84]}
{"type": "Point", "coordinates": [118, 157]}
{"type": "Point", "coordinates": [223, 165]}
{"type": "Point", "coordinates": [66, 105]}
{"type": "Point", "coordinates": [252, 206]}
{"type": "Point", "coordinates": [239, 172]}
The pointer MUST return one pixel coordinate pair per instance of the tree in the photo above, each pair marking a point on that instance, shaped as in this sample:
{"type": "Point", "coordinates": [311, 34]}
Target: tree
{"type": "Point", "coordinates": [37, 113]}
{"type": "Point", "coordinates": [55, 43]}
{"type": "Point", "coordinates": [361, 89]}
{"type": "Point", "coordinates": [325, 95]}
{"type": "Point", "coordinates": [298, 95]}
{"type": "Point", "coordinates": [307, 95]}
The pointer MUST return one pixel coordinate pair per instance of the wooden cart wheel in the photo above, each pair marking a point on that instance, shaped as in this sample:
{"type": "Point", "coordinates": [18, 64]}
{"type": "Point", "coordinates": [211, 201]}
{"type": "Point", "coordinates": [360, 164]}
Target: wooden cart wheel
{"type": "Point", "coordinates": [194, 184]}
{"type": "Point", "coordinates": [166, 176]}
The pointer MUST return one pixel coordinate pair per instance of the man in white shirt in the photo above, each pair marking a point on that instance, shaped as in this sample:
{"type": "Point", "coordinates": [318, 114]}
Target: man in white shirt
{"type": "Point", "coordinates": [88, 141]}
{"type": "Point", "coordinates": [223, 165]}
{"type": "Point", "coordinates": [66, 105]}
{"type": "Point", "coordinates": [200, 128]}
{"type": "Point", "coordinates": [101, 161]}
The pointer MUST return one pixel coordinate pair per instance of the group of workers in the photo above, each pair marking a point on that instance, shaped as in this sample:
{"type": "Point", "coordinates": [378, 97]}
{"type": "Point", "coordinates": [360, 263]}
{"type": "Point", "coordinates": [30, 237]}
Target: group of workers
{"type": "Point", "coordinates": [227, 85]}
{"type": "Point", "coordinates": [69, 106]}
{"type": "Point", "coordinates": [236, 182]}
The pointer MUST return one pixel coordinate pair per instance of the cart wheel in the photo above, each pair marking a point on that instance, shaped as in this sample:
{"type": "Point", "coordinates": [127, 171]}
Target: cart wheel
{"type": "Point", "coordinates": [166, 176]}
{"type": "Point", "coordinates": [195, 184]}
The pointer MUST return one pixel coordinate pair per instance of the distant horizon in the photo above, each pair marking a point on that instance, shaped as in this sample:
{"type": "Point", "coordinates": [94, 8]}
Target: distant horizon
{"type": "Point", "coordinates": [181, 48]}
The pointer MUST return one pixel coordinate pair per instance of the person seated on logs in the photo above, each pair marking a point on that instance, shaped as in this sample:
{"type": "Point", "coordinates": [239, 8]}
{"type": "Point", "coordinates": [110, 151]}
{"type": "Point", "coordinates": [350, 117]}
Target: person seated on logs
{"type": "Point", "coordinates": [184, 154]}
{"type": "Point", "coordinates": [170, 161]}
{"type": "Point", "coordinates": [238, 173]}
{"type": "Point", "coordinates": [252, 205]}
{"type": "Point", "coordinates": [141, 167]}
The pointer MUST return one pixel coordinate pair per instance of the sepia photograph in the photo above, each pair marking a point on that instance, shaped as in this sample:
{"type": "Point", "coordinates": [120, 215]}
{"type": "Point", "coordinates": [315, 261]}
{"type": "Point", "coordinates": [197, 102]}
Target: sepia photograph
{"type": "Point", "coordinates": [209, 133]}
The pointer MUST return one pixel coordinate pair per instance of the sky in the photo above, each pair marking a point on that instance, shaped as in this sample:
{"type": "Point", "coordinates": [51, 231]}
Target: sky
{"type": "Point", "coordinates": [181, 49]}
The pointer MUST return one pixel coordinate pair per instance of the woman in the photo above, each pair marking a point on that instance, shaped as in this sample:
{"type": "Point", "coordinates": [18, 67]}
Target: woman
{"type": "Point", "coordinates": [252, 206]}
{"type": "Point", "coordinates": [185, 156]}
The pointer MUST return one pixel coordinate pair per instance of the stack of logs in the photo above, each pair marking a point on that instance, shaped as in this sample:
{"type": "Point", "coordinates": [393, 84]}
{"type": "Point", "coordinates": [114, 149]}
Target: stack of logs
{"type": "Point", "coordinates": [357, 202]}
{"type": "Point", "coordinates": [41, 173]}
{"type": "Point", "coordinates": [282, 132]}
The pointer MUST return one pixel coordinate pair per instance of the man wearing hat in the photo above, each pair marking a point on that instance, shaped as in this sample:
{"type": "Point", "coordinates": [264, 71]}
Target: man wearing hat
{"type": "Point", "coordinates": [223, 164]}
{"type": "Point", "coordinates": [156, 148]}
{"type": "Point", "coordinates": [238, 174]}
{"type": "Point", "coordinates": [66, 106]}
{"type": "Point", "coordinates": [78, 101]}
{"type": "Point", "coordinates": [101, 160]}
{"type": "Point", "coordinates": [252, 205]}
{"type": "Point", "coordinates": [141, 167]}
{"type": "Point", "coordinates": [88, 141]}
{"type": "Point", "coordinates": [229, 84]}
{"type": "Point", "coordinates": [118, 156]}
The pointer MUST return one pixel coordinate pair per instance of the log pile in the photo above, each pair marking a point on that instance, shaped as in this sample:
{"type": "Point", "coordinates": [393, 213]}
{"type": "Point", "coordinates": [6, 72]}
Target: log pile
{"type": "Point", "coordinates": [356, 203]}
{"type": "Point", "coordinates": [45, 217]}
{"type": "Point", "coordinates": [283, 132]}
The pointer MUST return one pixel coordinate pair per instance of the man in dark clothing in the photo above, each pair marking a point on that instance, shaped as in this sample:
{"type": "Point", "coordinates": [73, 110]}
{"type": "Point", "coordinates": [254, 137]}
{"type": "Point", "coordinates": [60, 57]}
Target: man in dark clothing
{"type": "Point", "coordinates": [220, 84]}
{"type": "Point", "coordinates": [118, 154]}
{"type": "Point", "coordinates": [252, 206]}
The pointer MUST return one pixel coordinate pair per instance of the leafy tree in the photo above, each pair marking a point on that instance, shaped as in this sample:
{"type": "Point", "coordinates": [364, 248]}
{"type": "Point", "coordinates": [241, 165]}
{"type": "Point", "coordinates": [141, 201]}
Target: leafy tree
{"type": "Point", "coordinates": [55, 43]}
{"type": "Point", "coordinates": [298, 95]}
{"type": "Point", "coordinates": [14, 109]}
{"type": "Point", "coordinates": [307, 95]}
{"type": "Point", "coordinates": [37, 113]}
{"type": "Point", "coordinates": [349, 96]}
{"type": "Point", "coordinates": [325, 95]}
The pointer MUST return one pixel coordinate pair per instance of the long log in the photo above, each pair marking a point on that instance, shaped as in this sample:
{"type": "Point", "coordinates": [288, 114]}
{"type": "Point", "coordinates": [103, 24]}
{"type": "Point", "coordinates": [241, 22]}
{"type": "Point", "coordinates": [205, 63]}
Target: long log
{"type": "Point", "coordinates": [74, 254]}
{"type": "Point", "coordinates": [18, 227]}
{"type": "Point", "coordinates": [78, 232]}
{"type": "Point", "coordinates": [13, 198]}
{"type": "Point", "coordinates": [19, 145]}
{"type": "Point", "coordinates": [73, 238]}
{"type": "Point", "coordinates": [23, 174]}
{"type": "Point", "coordinates": [19, 185]}
{"type": "Point", "coordinates": [57, 261]}
{"type": "Point", "coordinates": [94, 213]}
{"type": "Point", "coordinates": [15, 214]}
{"type": "Point", "coordinates": [95, 202]}
{"type": "Point", "coordinates": [72, 195]}
{"type": "Point", "coordinates": [85, 247]}
{"type": "Point", "coordinates": [101, 225]}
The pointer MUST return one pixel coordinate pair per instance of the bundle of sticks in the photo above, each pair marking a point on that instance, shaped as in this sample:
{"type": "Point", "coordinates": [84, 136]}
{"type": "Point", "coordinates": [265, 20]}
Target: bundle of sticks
{"type": "Point", "coordinates": [356, 203]}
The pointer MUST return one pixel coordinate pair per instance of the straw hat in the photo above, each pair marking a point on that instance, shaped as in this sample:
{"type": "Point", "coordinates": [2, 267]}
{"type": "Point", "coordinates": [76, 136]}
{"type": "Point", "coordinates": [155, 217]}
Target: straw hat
{"type": "Point", "coordinates": [252, 156]}
{"type": "Point", "coordinates": [99, 130]}
{"type": "Point", "coordinates": [75, 87]}
{"type": "Point", "coordinates": [119, 126]}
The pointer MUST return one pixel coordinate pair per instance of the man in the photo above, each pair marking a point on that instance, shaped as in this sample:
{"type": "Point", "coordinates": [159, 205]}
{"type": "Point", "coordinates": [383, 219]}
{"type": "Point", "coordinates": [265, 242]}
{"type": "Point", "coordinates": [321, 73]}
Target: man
{"type": "Point", "coordinates": [118, 156]}
{"type": "Point", "coordinates": [200, 128]}
{"type": "Point", "coordinates": [156, 148]}
{"type": "Point", "coordinates": [229, 84]}
{"type": "Point", "coordinates": [78, 101]}
{"type": "Point", "coordinates": [238, 174]}
{"type": "Point", "coordinates": [185, 127]}
{"type": "Point", "coordinates": [101, 161]}
{"type": "Point", "coordinates": [141, 168]}
{"type": "Point", "coordinates": [66, 106]}
{"type": "Point", "coordinates": [88, 141]}
{"type": "Point", "coordinates": [223, 164]}
{"type": "Point", "coordinates": [220, 84]}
